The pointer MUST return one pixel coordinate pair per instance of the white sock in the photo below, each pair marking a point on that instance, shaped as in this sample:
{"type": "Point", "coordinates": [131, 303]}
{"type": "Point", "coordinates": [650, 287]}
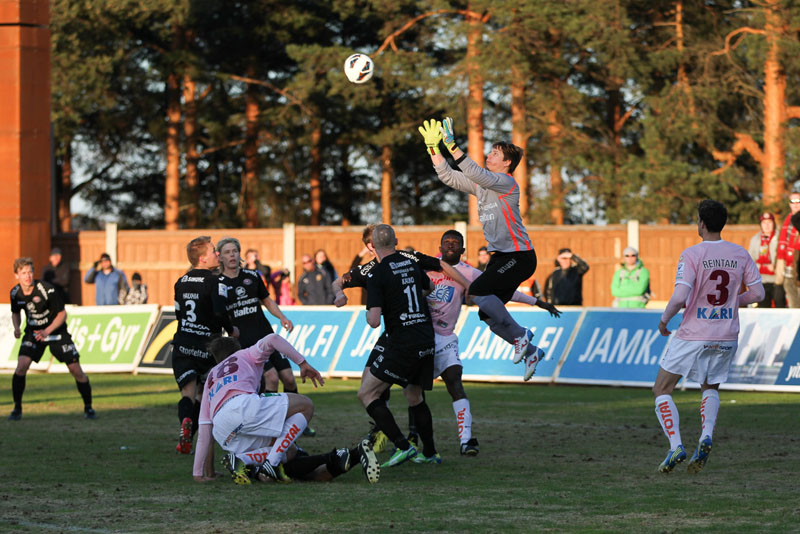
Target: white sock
{"type": "Point", "coordinates": [464, 419]}
{"type": "Point", "coordinates": [667, 414]}
{"type": "Point", "coordinates": [709, 408]}
{"type": "Point", "coordinates": [292, 429]}
{"type": "Point", "coordinates": [254, 457]}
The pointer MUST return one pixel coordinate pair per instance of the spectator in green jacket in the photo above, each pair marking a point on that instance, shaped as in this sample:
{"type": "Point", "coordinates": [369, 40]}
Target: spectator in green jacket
{"type": "Point", "coordinates": [631, 283]}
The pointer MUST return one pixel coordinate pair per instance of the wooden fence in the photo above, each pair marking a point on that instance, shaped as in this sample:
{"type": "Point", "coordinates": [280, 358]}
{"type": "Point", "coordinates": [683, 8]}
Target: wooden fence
{"type": "Point", "coordinates": [160, 255]}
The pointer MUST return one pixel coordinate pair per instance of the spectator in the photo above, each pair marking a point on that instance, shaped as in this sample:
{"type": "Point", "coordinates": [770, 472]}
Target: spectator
{"type": "Point", "coordinates": [631, 283]}
{"type": "Point", "coordinates": [764, 249]}
{"type": "Point", "coordinates": [286, 298]}
{"type": "Point", "coordinates": [314, 285]}
{"type": "Point", "coordinates": [109, 282]}
{"type": "Point", "coordinates": [565, 285]}
{"type": "Point", "coordinates": [321, 258]}
{"type": "Point", "coordinates": [138, 292]}
{"type": "Point", "coordinates": [57, 274]}
{"type": "Point", "coordinates": [254, 264]}
{"type": "Point", "coordinates": [788, 243]}
{"type": "Point", "coordinates": [483, 258]}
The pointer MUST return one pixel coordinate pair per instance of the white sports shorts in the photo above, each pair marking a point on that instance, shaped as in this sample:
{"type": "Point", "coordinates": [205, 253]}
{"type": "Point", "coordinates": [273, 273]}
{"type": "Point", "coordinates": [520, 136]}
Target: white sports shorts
{"type": "Point", "coordinates": [446, 354]}
{"type": "Point", "coordinates": [250, 421]}
{"type": "Point", "coordinates": [700, 361]}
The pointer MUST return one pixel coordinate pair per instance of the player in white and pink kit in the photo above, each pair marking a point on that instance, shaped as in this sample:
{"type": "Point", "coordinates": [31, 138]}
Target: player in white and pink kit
{"type": "Point", "coordinates": [708, 280]}
{"type": "Point", "coordinates": [444, 303]}
{"type": "Point", "coordinates": [245, 423]}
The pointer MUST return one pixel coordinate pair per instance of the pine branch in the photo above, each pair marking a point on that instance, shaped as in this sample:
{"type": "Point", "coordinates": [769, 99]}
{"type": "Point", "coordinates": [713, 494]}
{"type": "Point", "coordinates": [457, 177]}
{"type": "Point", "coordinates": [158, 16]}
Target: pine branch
{"type": "Point", "coordinates": [793, 112]}
{"type": "Point", "coordinates": [390, 39]}
{"type": "Point", "coordinates": [743, 143]}
{"type": "Point", "coordinates": [299, 103]}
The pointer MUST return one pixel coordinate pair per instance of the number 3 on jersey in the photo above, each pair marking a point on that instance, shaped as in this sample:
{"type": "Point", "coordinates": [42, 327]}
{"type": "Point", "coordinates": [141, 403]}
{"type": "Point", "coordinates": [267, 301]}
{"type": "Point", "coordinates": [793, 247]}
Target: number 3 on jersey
{"type": "Point", "coordinates": [722, 278]}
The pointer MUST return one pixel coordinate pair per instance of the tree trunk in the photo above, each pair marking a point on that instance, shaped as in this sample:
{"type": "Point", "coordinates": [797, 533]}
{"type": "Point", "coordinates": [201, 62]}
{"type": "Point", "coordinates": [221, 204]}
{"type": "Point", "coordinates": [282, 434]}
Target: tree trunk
{"type": "Point", "coordinates": [773, 168]}
{"type": "Point", "coordinates": [192, 156]}
{"type": "Point", "coordinates": [554, 133]}
{"type": "Point", "coordinates": [250, 178]}
{"type": "Point", "coordinates": [474, 107]}
{"type": "Point", "coordinates": [172, 184]}
{"type": "Point", "coordinates": [64, 189]}
{"type": "Point", "coordinates": [519, 137]}
{"type": "Point", "coordinates": [316, 174]}
{"type": "Point", "coordinates": [387, 177]}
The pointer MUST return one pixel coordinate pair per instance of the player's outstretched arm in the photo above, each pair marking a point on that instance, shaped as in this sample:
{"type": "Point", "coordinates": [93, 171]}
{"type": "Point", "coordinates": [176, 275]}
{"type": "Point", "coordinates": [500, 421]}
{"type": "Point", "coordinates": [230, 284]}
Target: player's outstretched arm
{"type": "Point", "coordinates": [306, 371]}
{"type": "Point", "coordinates": [431, 131]}
{"type": "Point", "coordinates": [451, 271]}
{"type": "Point", "coordinates": [340, 299]}
{"type": "Point", "coordinates": [274, 309]}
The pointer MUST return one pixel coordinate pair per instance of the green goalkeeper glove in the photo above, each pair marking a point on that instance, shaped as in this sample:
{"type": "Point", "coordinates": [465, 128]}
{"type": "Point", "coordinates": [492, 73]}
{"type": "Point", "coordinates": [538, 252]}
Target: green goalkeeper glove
{"type": "Point", "coordinates": [448, 136]}
{"type": "Point", "coordinates": [432, 133]}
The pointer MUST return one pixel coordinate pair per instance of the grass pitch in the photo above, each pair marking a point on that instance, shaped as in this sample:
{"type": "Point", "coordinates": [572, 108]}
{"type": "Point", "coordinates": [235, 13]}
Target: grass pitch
{"type": "Point", "coordinates": [553, 459]}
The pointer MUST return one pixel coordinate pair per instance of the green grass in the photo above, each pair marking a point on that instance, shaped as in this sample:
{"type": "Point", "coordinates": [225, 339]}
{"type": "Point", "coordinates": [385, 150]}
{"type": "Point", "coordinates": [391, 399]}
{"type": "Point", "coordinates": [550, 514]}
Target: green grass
{"type": "Point", "coordinates": [575, 459]}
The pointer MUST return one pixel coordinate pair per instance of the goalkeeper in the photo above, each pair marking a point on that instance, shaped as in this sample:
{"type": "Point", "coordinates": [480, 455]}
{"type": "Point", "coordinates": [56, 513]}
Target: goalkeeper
{"type": "Point", "coordinates": [513, 258]}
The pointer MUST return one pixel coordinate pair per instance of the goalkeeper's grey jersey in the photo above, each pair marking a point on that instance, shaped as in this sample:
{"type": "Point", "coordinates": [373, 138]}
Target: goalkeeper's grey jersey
{"type": "Point", "coordinates": [498, 203]}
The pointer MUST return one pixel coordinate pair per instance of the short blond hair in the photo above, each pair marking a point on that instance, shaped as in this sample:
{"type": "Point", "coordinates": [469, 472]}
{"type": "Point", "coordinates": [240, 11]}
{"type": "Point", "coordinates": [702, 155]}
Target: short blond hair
{"type": "Point", "coordinates": [19, 263]}
{"type": "Point", "coordinates": [196, 248]}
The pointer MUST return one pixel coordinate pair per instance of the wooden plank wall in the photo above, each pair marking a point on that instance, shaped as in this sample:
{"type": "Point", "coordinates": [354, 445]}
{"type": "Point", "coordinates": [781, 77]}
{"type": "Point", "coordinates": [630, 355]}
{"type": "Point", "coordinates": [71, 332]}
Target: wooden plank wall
{"type": "Point", "coordinates": [160, 255]}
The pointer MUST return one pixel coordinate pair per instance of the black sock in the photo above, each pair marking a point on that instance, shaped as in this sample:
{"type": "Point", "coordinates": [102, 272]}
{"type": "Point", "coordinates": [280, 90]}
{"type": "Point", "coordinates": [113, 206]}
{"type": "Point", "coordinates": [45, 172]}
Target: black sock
{"type": "Point", "coordinates": [332, 463]}
{"type": "Point", "coordinates": [424, 419]}
{"type": "Point", "coordinates": [412, 423]}
{"type": "Point", "coordinates": [185, 408]}
{"type": "Point", "coordinates": [195, 417]}
{"type": "Point", "coordinates": [355, 456]}
{"type": "Point", "coordinates": [385, 420]}
{"type": "Point", "coordinates": [17, 388]}
{"type": "Point", "coordinates": [385, 395]}
{"type": "Point", "coordinates": [287, 390]}
{"type": "Point", "coordinates": [301, 466]}
{"type": "Point", "coordinates": [85, 389]}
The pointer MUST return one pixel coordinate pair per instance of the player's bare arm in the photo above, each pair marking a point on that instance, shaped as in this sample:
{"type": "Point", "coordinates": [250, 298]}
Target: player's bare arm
{"type": "Point", "coordinates": [273, 308]}
{"type": "Point", "coordinates": [450, 271]}
{"type": "Point", "coordinates": [16, 320]}
{"type": "Point", "coordinates": [306, 371]}
{"type": "Point", "coordinates": [374, 317]}
{"type": "Point", "coordinates": [340, 298]}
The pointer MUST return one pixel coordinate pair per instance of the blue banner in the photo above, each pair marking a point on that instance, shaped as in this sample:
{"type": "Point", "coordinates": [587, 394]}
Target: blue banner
{"type": "Point", "coordinates": [484, 353]}
{"type": "Point", "coordinates": [317, 334]}
{"type": "Point", "coordinates": [358, 346]}
{"type": "Point", "coordinates": [617, 347]}
{"type": "Point", "coordinates": [768, 350]}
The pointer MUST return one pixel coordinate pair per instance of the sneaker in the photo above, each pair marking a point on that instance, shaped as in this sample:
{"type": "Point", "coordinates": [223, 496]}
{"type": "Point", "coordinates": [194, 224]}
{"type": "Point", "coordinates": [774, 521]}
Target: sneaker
{"type": "Point", "coordinates": [532, 361]}
{"type": "Point", "coordinates": [276, 473]}
{"type": "Point", "coordinates": [89, 413]}
{"type": "Point", "coordinates": [185, 437]}
{"type": "Point", "coordinates": [422, 459]}
{"type": "Point", "coordinates": [343, 459]}
{"type": "Point", "coordinates": [237, 468]}
{"type": "Point", "coordinates": [309, 432]}
{"type": "Point", "coordinates": [369, 462]}
{"type": "Point", "coordinates": [398, 457]}
{"type": "Point", "coordinates": [470, 448]}
{"type": "Point", "coordinates": [521, 345]}
{"type": "Point", "coordinates": [700, 456]}
{"type": "Point", "coordinates": [377, 438]}
{"type": "Point", "coordinates": [674, 457]}
{"type": "Point", "coordinates": [413, 439]}
{"type": "Point", "coordinates": [15, 415]}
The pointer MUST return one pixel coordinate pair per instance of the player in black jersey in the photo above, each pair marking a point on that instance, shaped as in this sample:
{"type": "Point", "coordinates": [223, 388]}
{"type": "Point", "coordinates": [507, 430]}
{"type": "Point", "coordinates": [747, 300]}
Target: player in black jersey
{"type": "Point", "coordinates": [200, 308]}
{"type": "Point", "coordinates": [246, 294]}
{"type": "Point", "coordinates": [395, 292]}
{"type": "Point", "coordinates": [45, 326]}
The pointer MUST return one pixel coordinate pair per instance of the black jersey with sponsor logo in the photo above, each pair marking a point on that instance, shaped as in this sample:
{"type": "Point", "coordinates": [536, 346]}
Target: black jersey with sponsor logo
{"type": "Point", "coordinates": [395, 285]}
{"type": "Point", "coordinates": [357, 276]}
{"type": "Point", "coordinates": [245, 293]}
{"type": "Point", "coordinates": [41, 306]}
{"type": "Point", "coordinates": [200, 302]}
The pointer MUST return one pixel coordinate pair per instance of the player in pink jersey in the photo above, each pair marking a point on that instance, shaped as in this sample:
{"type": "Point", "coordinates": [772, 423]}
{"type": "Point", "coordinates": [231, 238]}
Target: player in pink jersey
{"type": "Point", "coordinates": [444, 302]}
{"type": "Point", "coordinates": [708, 280]}
{"type": "Point", "coordinates": [259, 431]}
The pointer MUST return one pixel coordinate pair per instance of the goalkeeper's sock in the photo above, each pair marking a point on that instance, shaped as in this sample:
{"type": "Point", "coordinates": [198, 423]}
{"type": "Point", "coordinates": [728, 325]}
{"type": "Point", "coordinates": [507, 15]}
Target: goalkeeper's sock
{"type": "Point", "coordinates": [667, 414]}
{"type": "Point", "coordinates": [709, 408]}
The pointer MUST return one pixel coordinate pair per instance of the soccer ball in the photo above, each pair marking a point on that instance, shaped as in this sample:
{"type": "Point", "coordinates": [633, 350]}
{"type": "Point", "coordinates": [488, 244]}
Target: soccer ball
{"type": "Point", "coordinates": [359, 68]}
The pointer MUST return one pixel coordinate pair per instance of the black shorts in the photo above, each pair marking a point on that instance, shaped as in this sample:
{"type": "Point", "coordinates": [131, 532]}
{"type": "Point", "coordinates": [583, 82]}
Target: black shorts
{"type": "Point", "coordinates": [405, 366]}
{"type": "Point", "coordinates": [62, 348]}
{"type": "Point", "coordinates": [277, 361]}
{"type": "Point", "coordinates": [190, 364]}
{"type": "Point", "coordinates": [503, 275]}
{"type": "Point", "coordinates": [377, 350]}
